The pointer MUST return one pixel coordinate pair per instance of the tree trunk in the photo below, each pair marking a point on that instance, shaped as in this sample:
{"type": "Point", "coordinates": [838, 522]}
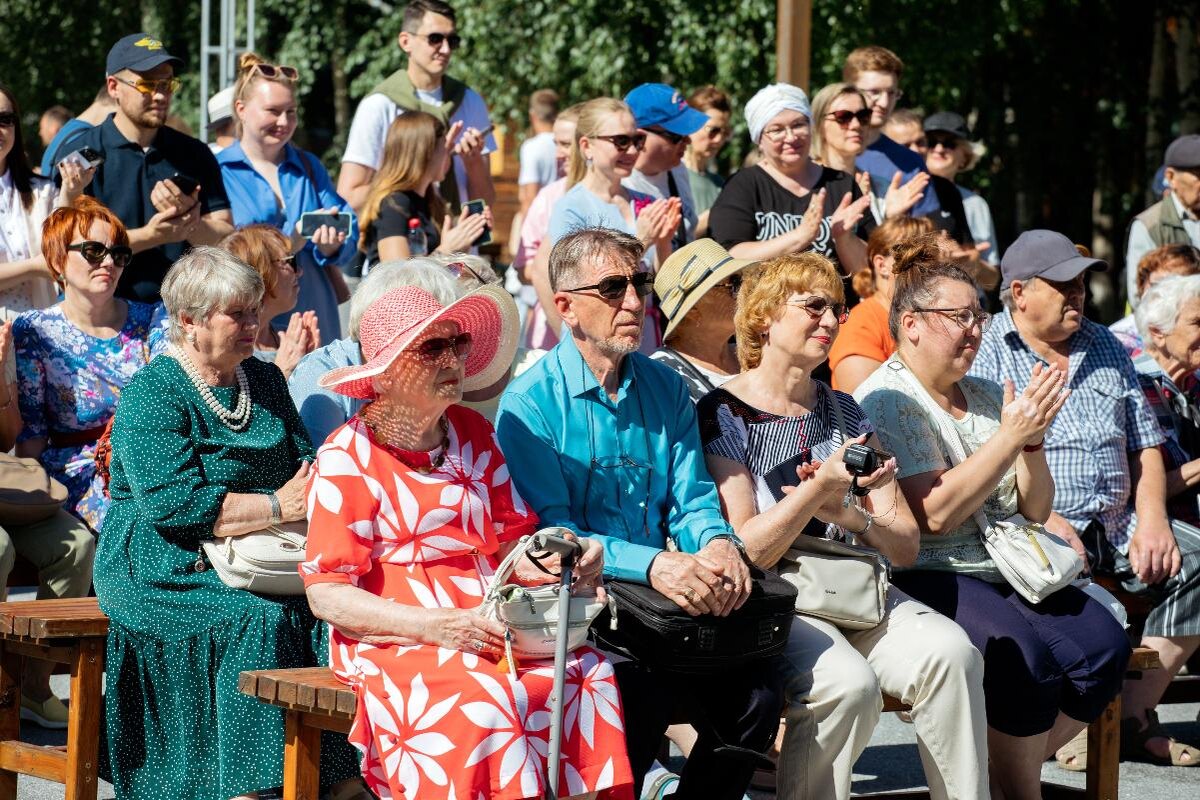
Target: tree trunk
{"type": "Point", "coordinates": [1155, 117]}
{"type": "Point", "coordinates": [1187, 74]}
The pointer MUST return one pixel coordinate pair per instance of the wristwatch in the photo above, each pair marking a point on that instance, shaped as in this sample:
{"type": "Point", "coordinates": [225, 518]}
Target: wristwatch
{"type": "Point", "coordinates": [736, 542]}
{"type": "Point", "coordinates": [276, 510]}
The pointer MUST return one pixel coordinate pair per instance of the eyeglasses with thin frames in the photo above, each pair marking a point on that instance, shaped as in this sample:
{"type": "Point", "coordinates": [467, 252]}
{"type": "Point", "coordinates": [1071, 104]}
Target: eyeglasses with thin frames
{"type": "Point", "coordinates": [817, 306]}
{"type": "Point", "coordinates": [875, 94]}
{"type": "Point", "coordinates": [796, 130]}
{"type": "Point", "coordinates": [965, 318]}
{"type": "Point", "coordinates": [164, 86]}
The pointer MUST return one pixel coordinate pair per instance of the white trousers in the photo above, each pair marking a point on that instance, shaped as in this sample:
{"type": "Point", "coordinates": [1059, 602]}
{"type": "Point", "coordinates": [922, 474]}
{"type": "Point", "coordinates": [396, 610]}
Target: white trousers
{"type": "Point", "coordinates": [833, 693]}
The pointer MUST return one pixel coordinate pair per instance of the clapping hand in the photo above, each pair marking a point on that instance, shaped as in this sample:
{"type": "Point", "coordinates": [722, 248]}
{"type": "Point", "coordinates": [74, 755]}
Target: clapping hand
{"type": "Point", "coordinates": [848, 213]}
{"type": "Point", "coordinates": [1027, 417]}
{"type": "Point", "coordinates": [301, 338]}
{"type": "Point", "coordinates": [899, 200]}
{"type": "Point", "coordinates": [810, 223]}
{"type": "Point", "coordinates": [658, 221]}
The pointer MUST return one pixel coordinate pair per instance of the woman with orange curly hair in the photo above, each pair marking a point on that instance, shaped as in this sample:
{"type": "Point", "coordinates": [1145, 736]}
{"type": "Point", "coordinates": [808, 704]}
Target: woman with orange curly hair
{"type": "Point", "coordinates": [74, 358]}
{"type": "Point", "coordinates": [773, 441]}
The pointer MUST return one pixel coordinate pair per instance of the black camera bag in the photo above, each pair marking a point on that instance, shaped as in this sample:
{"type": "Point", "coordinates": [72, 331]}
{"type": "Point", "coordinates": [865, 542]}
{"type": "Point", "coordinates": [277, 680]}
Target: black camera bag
{"type": "Point", "coordinates": [653, 629]}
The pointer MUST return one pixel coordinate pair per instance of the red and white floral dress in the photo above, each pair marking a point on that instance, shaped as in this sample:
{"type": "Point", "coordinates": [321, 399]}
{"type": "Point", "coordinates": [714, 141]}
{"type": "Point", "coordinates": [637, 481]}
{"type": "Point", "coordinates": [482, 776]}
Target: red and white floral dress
{"type": "Point", "coordinates": [436, 723]}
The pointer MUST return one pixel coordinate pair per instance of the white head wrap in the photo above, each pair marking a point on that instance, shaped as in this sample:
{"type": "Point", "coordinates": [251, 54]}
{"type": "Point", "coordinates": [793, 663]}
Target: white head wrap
{"type": "Point", "coordinates": [770, 101]}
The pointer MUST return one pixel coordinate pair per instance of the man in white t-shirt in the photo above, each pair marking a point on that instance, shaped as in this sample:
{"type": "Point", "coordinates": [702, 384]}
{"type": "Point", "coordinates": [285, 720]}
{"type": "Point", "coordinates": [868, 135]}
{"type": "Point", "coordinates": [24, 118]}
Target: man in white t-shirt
{"type": "Point", "coordinates": [537, 155]}
{"type": "Point", "coordinates": [661, 112]}
{"type": "Point", "coordinates": [428, 37]}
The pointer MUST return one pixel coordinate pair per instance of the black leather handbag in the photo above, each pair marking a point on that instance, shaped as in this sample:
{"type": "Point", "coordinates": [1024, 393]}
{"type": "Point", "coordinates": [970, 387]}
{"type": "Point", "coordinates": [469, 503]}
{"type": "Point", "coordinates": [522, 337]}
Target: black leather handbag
{"type": "Point", "coordinates": [651, 628]}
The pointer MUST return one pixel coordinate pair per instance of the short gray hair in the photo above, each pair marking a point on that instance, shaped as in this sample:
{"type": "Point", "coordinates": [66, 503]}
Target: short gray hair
{"type": "Point", "coordinates": [1006, 298]}
{"type": "Point", "coordinates": [424, 273]}
{"type": "Point", "coordinates": [206, 280]}
{"type": "Point", "coordinates": [1160, 305]}
{"type": "Point", "coordinates": [591, 244]}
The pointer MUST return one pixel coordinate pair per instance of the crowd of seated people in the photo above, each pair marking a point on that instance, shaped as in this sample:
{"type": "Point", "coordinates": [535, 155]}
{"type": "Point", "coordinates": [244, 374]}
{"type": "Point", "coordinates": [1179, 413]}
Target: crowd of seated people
{"type": "Point", "coordinates": [171, 352]}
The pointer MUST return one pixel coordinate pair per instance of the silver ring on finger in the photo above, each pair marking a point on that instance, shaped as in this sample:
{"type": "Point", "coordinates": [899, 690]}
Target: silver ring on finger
{"type": "Point", "coordinates": [477, 644]}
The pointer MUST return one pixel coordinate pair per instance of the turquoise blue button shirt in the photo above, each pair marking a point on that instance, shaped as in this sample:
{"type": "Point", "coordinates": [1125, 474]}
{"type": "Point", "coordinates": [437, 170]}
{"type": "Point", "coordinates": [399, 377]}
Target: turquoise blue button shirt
{"type": "Point", "coordinates": [627, 473]}
{"type": "Point", "coordinates": [303, 189]}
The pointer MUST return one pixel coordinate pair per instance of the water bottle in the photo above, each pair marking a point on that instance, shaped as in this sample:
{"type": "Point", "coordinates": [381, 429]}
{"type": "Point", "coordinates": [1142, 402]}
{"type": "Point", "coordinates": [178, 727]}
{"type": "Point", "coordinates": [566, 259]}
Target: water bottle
{"type": "Point", "coordinates": [417, 245]}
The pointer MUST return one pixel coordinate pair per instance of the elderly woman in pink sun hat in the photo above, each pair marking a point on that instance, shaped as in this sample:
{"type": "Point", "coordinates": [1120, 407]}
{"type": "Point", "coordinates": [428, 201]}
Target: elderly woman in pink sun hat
{"type": "Point", "coordinates": [410, 510]}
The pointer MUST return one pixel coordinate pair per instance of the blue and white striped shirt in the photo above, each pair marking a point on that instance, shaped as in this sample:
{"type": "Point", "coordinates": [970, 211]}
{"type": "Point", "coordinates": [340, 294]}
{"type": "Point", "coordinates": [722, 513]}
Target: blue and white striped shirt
{"type": "Point", "coordinates": [1105, 418]}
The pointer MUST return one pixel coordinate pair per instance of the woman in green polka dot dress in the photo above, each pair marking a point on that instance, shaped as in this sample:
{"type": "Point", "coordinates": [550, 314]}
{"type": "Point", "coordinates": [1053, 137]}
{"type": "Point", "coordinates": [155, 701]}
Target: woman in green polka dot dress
{"type": "Point", "coordinates": [206, 444]}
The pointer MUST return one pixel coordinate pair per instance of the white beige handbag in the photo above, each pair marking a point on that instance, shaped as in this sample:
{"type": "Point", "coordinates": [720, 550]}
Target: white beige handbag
{"type": "Point", "coordinates": [840, 583]}
{"type": "Point", "coordinates": [531, 612]}
{"type": "Point", "coordinates": [264, 562]}
{"type": "Point", "coordinates": [1035, 562]}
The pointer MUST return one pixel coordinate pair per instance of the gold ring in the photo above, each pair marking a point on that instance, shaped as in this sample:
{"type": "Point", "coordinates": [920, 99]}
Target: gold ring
{"type": "Point", "coordinates": [690, 595]}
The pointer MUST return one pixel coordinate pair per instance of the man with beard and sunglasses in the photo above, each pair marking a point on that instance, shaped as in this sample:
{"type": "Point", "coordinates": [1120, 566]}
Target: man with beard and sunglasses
{"type": "Point", "coordinates": [603, 440]}
{"type": "Point", "coordinates": [667, 120]}
{"type": "Point", "coordinates": [165, 186]}
{"type": "Point", "coordinates": [429, 38]}
{"type": "Point", "coordinates": [1109, 477]}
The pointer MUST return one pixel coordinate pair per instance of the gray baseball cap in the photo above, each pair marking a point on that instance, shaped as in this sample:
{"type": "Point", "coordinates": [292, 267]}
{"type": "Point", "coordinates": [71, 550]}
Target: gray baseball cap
{"type": "Point", "coordinates": [1184, 152]}
{"type": "Point", "coordinates": [1045, 254]}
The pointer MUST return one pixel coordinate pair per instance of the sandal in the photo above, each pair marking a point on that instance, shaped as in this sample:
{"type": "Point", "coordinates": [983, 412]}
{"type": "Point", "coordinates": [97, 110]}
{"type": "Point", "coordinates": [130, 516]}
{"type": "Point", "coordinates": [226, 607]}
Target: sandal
{"type": "Point", "coordinates": [1072, 756]}
{"type": "Point", "coordinates": [1134, 738]}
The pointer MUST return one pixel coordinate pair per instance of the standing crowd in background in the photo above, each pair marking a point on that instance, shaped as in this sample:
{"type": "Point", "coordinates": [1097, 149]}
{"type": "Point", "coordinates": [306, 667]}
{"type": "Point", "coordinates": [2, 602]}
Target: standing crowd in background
{"type": "Point", "coordinates": [671, 362]}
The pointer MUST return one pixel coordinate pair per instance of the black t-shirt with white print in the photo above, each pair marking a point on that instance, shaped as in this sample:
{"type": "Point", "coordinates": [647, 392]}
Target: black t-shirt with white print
{"type": "Point", "coordinates": [754, 207]}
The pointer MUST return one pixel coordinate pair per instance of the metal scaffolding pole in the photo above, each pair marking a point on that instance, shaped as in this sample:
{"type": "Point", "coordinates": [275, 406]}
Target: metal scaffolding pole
{"type": "Point", "coordinates": [224, 52]}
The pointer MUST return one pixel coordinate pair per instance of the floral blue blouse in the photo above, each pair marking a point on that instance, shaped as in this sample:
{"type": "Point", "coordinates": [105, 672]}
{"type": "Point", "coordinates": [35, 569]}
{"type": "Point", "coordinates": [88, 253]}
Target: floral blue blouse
{"type": "Point", "coordinates": [68, 383]}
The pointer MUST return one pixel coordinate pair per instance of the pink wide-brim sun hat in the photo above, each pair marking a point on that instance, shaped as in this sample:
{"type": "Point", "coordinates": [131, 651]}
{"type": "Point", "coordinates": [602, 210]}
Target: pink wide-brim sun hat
{"type": "Point", "coordinates": [396, 319]}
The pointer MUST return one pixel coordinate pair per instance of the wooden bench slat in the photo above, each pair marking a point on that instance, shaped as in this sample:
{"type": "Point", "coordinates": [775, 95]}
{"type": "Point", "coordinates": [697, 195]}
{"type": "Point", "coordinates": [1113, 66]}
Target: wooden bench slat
{"type": "Point", "coordinates": [49, 619]}
{"type": "Point", "coordinates": [31, 759]}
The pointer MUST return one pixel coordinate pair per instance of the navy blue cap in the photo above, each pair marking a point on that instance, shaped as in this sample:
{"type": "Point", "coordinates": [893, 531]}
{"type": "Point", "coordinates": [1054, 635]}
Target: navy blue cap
{"type": "Point", "coordinates": [139, 52]}
{"type": "Point", "coordinates": [1184, 152]}
{"type": "Point", "coordinates": [658, 104]}
{"type": "Point", "coordinates": [1045, 254]}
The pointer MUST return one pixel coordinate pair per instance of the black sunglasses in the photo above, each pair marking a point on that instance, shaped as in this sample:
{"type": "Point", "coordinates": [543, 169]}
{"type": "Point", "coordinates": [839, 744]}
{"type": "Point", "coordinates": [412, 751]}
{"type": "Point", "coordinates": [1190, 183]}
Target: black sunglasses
{"type": "Point", "coordinates": [673, 138]}
{"type": "Point", "coordinates": [844, 117]}
{"type": "Point", "coordinates": [431, 351]}
{"type": "Point", "coordinates": [947, 141]}
{"type": "Point", "coordinates": [8, 119]}
{"type": "Point", "coordinates": [623, 141]}
{"type": "Point", "coordinates": [435, 39]}
{"type": "Point", "coordinates": [614, 286]}
{"type": "Point", "coordinates": [94, 253]}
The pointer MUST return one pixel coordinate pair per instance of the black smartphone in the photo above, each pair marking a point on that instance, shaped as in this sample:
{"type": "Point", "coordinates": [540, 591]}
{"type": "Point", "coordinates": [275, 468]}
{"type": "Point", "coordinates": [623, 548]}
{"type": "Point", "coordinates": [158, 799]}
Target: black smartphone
{"type": "Point", "coordinates": [472, 208]}
{"type": "Point", "coordinates": [85, 157]}
{"type": "Point", "coordinates": [311, 220]}
{"type": "Point", "coordinates": [184, 183]}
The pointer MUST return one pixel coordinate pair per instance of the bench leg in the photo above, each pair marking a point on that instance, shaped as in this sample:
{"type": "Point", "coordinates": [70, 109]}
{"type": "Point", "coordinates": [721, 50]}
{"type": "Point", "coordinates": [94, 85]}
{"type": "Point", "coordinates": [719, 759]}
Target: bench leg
{"type": "Point", "coordinates": [10, 713]}
{"type": "Point", "coordinates": [83, 726]}
{"type": "Point", "coordinates": [301, 758]}
{"type": "Point", "coordinates": [1104, 754]}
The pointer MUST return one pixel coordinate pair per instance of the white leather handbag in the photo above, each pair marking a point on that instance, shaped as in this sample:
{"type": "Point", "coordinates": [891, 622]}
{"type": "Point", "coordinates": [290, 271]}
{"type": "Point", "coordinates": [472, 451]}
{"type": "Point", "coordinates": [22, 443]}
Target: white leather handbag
{"type": "Point", "coordinates": [264, 562]}
{"type": "Point", "coordinates": [531, 612]}
{"type": "Point", "coordinates": [841, 583]}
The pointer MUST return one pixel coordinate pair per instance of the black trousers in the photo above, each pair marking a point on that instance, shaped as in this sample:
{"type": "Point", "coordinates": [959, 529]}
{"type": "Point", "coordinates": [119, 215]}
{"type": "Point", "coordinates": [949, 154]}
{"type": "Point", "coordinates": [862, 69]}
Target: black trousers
{"type": "Point", "coordinates": [736, 709]}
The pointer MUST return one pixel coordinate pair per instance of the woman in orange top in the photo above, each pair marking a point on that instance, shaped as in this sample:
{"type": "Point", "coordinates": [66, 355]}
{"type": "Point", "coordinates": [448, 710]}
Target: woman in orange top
{"type": "Point", "coordinates": [864, 341]}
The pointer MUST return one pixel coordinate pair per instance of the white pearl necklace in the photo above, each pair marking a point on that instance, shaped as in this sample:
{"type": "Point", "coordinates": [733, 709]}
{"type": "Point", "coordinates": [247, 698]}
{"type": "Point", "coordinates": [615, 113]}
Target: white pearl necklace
{"type": "Point", "coordinates": [237, 419]}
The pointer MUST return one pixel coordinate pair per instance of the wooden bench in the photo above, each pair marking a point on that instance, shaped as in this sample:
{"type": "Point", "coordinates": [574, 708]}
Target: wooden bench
{"type": "Point", "coordinates": [314, 700]}
{"type": "Point", "coordinates": [70, 632]}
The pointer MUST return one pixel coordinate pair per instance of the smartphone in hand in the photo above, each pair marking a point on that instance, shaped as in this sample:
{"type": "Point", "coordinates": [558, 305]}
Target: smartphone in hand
{"type": "Point", "coordinates": [184, 183]}
{"type": "Point", "coordinates": [311, 220]}
{"type": "Point", "coordinates": [473, 207]}
{"type": "Point", "coordinates": [85, 157]}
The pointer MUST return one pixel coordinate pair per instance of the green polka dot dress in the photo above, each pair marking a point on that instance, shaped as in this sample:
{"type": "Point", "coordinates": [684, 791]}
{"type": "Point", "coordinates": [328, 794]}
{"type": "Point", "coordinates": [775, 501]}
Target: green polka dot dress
{"type": "Point", "coordinates": [178, 638]}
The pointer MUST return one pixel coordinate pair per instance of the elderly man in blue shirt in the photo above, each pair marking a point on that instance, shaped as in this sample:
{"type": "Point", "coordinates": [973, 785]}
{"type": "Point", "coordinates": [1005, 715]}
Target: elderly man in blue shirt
{"type": "Point", "coordinates": [1103, 451]}
{"type": "Point", "coordinates": [602, 440]}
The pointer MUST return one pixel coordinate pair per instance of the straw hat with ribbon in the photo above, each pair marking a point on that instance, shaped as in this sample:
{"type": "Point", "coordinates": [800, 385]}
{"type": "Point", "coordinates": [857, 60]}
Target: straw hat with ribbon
{"type": "Point", "coordinates": [690, 272]}
{"type": "Point", "coordinates": [394, 321]}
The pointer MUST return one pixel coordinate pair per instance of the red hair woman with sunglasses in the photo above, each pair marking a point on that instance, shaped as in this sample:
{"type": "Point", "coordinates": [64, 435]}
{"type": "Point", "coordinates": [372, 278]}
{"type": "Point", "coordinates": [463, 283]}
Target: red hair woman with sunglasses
{"type": "Point", "coordinates": [74, 358]}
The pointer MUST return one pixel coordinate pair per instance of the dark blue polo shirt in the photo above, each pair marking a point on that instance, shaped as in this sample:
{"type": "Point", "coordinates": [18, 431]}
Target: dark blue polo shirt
{"type": "Point", "coordinates": [124, 182]}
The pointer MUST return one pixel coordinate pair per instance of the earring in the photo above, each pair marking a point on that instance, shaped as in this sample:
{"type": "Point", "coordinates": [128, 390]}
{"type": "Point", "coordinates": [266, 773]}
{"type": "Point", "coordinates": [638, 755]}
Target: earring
{"type": "Point", "coordinates": [190, 337]}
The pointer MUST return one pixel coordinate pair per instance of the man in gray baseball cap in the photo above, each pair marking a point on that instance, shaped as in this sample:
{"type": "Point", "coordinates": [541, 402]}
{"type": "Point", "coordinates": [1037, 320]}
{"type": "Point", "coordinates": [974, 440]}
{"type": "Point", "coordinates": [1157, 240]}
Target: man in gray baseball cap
{"type": "Point", "coordinates": [1103, 453]}
{"type": "Point", "coordinates": [1173, 220]}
